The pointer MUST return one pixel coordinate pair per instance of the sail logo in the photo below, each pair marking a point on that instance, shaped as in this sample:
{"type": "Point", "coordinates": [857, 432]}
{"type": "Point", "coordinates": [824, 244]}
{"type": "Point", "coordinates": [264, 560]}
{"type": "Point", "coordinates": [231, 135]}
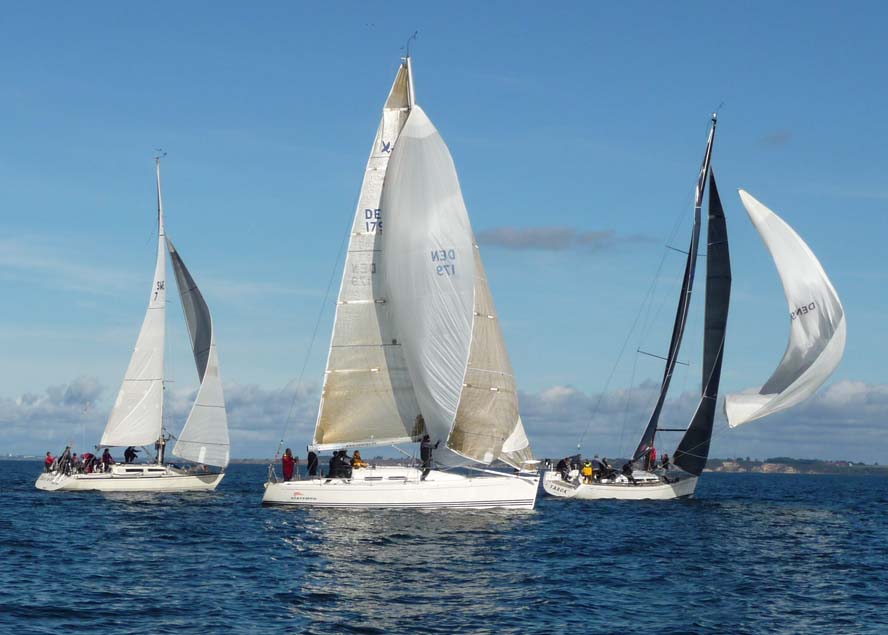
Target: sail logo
{"type": "Point", "coordinates": [446, 257]}
{"type": "Point", "coordinates": [386, 146]}
{"type": "Point", "coordinates": [373, 220]}
{"type": "Point", "coordinates": [803, 310]}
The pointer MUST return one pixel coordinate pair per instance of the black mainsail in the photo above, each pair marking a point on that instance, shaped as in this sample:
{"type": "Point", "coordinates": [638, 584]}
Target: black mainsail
{"type": "Point", "coordinates": [684, 302]}
{"type": "Point", "coordinates": [693, 449]}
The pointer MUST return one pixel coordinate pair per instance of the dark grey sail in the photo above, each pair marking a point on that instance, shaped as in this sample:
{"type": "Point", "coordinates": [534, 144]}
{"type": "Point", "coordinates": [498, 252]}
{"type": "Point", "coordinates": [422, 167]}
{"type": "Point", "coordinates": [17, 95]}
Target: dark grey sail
{"type": "Point", "coordinates": [684, 302]}
{"type": "Point", "coordinates": [197, 314]}
{"type": "Point", "coordinates": [693, 449]}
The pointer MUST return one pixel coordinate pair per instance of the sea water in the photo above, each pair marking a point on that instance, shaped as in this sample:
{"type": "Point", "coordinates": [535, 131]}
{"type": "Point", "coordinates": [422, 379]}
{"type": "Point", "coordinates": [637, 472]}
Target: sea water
{"type": "Point", "coordinates": [752, 553]}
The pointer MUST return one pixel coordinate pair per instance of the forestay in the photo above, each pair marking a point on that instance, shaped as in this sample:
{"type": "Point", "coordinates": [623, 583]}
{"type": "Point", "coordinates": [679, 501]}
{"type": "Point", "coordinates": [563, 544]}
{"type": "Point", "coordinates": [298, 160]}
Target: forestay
{"type": "Point", "coordinates": [817, 322]}
{"type": "Point", "coordinates": [137, 415]}
{"type": "Point", "coordinates": [204, 438]}
{"type": "Point", "coordinates": [368, 398]}
{"type": "Point", "coordinates": [443, 308]}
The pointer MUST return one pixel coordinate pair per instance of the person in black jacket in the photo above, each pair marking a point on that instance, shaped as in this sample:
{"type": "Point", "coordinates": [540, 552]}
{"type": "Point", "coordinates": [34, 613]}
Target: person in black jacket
{"type": "Point", "coordinates": [334, 465]}
{"type": "Point", "coordinates": [425, 453]}
{"type": "Point", "coordinates": [312, 464]}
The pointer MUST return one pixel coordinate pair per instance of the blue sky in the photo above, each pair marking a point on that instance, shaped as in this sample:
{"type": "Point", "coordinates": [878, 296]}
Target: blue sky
{"type": "Point", "coordinates": [582, 119]}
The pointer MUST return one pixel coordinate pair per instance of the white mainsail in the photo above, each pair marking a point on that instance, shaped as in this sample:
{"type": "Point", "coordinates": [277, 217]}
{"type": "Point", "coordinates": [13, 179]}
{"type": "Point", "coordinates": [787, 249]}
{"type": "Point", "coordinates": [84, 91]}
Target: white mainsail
{"type": "Point", "coordinates": [368, 398]}
{"type": "Point", "coordinates": [204, 438]}
{"type": "Point", "coordinates": [137, 415]}
{"type": "Point", "coordinates": [443, 308]}
{"type": "Point", "coordinates": [817, 322]}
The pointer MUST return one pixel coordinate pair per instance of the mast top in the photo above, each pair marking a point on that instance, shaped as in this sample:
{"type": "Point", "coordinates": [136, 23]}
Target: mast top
{"type": "Point", "coordinates": [157, 157]}
{"type": "Point", "coordinates": [406, 47]}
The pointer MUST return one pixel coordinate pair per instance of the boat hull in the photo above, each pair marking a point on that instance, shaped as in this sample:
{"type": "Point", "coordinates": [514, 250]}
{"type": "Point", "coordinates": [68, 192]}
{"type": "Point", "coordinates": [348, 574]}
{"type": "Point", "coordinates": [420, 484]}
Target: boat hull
{"type": "Point", "coordinates": [131, 478]}
{"type": "Point", "coordinates": [401, 487]}
{"type": "Point", "coordinates": [554, 485]}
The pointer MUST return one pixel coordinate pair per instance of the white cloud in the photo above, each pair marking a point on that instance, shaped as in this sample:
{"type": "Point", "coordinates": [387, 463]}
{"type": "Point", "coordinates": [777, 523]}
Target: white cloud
{"type": "Point", "coordinates": [844, 421]}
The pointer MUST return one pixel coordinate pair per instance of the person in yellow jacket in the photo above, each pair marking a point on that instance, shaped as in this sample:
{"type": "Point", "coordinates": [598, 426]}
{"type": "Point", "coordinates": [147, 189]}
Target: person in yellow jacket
{"type": "Point", "coordinates": [357, 461]}
{"type": "Point", "coordinates": [587, 472]}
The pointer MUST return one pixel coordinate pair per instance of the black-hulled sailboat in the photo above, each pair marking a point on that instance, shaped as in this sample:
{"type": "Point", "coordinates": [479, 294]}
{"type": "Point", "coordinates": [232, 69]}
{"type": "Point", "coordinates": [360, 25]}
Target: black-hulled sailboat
{"type": "Point", "coordinates": [646, 480]}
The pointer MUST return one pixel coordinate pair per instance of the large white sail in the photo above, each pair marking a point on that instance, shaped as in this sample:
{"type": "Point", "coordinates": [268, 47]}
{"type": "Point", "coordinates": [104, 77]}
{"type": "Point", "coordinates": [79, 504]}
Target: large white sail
{"type": "Point", "coordinates": [368, 398]}
{"type": "Point", "coordinates": [204, 438]}
{"type": "Point", "coordinates": [137, 415]}
{"type": "Point", "coordinates": [817, 322]}
{"type": "Point", "coordinates": [443, 308]}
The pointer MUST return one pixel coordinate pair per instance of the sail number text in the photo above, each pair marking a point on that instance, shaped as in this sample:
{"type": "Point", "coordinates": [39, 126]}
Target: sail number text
{"type": "Point", "coordinates": [803, 310]}
{"type": "Point", "coordinates": [160, 285]}
{"type": "Point", "coordinates": [373, 220]}
{"type": "Point", "coordinates": [446, 261]}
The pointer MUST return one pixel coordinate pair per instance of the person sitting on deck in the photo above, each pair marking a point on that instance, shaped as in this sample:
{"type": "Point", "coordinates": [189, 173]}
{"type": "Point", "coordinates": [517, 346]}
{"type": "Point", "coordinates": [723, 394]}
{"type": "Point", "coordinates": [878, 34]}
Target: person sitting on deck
{"type": "Point", "coordinates": [357, 461]}
{"type": "Point", "coordinates": [312, 464]}
{"type": "Point", "coordinates": [664, 462]}
{"type": "Point", "coordinates": [587, 472]}
{"type": "Point", "coordinates": [47, 462]}
{"type": "Point", "coordinates": [345, 464]}
{"type": "Point", "coordinates": [627, 471]}
{"type": "Point", "coordinates": [89, 460]}
{"type": "Point", "coordinates": [287, 464]}
{"type": "Point", "coordinates": [75, 462]}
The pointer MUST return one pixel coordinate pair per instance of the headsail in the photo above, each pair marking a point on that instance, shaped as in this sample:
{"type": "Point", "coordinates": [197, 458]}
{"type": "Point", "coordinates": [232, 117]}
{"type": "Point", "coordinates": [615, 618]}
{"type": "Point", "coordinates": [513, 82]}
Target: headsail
{"type": "Point", "coordinates": [684, 302]}
{"type": "Point", "coordinates": [693, 449]}
{"type": "Point", "coordinates": [368, 398]}
{"type": "Point", "coordinates": [817, 322]}
{"type": "Point", "coordinates": [443, 308]}
{"type": "Point", "coordinates": [137, 415]}
{"type": "Point", "coordinates": [204, 438]}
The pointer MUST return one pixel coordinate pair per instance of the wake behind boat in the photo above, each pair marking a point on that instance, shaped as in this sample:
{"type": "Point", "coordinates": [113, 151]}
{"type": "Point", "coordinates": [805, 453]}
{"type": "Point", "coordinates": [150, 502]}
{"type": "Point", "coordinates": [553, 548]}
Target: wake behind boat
{"type": "Point", "coordinates": [137, 416]}
{"type": "Point", "coordinates": [417, 353]}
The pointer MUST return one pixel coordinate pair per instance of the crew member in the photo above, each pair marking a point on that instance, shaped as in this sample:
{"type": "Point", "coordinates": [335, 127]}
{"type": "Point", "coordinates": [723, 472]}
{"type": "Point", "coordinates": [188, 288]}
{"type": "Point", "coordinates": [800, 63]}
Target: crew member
{"type": "Point", "coordinates": [425, 453]}
{"type": "Point", "coordinates": [287, 464]}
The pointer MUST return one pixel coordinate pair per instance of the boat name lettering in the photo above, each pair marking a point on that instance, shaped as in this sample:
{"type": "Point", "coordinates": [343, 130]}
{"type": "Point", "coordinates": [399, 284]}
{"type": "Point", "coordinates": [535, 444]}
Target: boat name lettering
{"type": "Point", "coordinates": [361, 272]}
{"type": "Point", "coordinates": [803, 310]}
{"type": "Point", "coordinates": [373, 220]}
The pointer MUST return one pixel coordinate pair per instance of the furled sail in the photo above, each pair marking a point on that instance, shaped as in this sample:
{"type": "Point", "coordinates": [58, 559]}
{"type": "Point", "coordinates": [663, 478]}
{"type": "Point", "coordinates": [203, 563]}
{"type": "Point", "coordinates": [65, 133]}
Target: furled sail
{"type": "Point", "coordinates": [684, 303]}
{"type": "Point", "coordinates": [443, 308]}
{"type": "Point", "coordinates": [693, 449]}
{"type": "Point", "coordinates": [204, 438]}
{"type": "Point", "coordinates": [137, 415]}
{"type": "Point", "coordinates": [368, 398]}
{"type": "Point", "coordinates": [817, 322]}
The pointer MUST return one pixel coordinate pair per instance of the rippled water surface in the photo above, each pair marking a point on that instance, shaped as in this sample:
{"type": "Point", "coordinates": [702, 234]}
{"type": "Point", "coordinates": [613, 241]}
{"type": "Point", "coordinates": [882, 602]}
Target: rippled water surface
{"type": "Point", "coordinates": [751, 554]}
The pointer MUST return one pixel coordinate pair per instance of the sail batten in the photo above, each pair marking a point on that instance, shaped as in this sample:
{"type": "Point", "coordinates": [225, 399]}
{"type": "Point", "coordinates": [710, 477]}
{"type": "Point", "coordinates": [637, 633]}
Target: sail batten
{"type": "Point", "coordinates": [818, 327]}
{"type": "Point", "coordinates": [204, 437]}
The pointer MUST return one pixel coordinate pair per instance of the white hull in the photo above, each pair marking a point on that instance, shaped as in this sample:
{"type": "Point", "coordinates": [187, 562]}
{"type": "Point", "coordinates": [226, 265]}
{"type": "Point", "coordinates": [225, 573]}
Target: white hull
{"type": "Point", "coordinates": [401, 487]}
{"type": "Point", "coordinates": [621, 489]}
{"type": "Point", "coordinates": [131, 478]}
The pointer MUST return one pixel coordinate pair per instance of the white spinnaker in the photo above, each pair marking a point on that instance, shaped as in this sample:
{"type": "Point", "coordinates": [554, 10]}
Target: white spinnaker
{"type": "Point", "coordinates": [204, 438]}
{"type": "Point", "coordinates": [430, 270]}
{"type": "Point", "coordinates": [443, 308]}
{"type": "Point", "coordinates": [368, 397]}
{"type": "Point", "coordinates": [817, 322]}
{"type": "Point", "coordinates": [137, 415]}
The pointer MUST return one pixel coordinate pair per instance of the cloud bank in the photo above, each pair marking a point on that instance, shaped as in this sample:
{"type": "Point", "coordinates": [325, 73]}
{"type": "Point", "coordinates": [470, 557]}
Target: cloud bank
{"type": "Point", "coordinates": [844, 421]}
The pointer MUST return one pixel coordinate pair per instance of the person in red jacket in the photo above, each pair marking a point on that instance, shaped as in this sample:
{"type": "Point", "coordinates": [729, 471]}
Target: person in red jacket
{"type": "Point", "coordinates": [48, 461]}
{"type": "Point", "coordinates": [288, 462]}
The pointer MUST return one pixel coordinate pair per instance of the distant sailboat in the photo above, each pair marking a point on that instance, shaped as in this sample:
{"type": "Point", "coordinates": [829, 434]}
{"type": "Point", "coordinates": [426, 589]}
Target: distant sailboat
{"type": "Point", "coordinates": [693, 450]}
{"type": "Point", "coordinates": [416, 347]}
{"type": "Point", "coordinates": [817, 323]}
{"type": "Point", "coordinates": [137, 416]}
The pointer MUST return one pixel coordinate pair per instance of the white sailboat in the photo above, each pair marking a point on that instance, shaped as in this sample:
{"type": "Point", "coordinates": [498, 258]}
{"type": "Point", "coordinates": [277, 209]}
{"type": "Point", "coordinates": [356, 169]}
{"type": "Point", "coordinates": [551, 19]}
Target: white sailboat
{"type": "Point", "coordinates": [817, 327]}
{"type": "Point", "coordinates": [416, 346]}
{"type": "Point", "coordinates": [693, 450]}
{"type": "Point", "coordinates": [137, 416]}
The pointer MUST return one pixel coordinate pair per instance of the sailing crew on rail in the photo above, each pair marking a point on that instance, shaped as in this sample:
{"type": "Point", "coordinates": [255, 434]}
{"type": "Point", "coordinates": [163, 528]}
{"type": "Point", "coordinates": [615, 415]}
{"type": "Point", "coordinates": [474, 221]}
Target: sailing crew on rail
{"type": "Point", "coordinates": [312, 464]}
{"type": "Point", "coordinates": [47, 462]}
{"type": "Point", "coordinates": [107, 459]}
{"type": "Point", "coordinates": [357, 461]}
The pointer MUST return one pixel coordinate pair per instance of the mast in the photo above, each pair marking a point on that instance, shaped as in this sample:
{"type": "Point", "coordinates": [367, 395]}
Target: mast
{"type": "Point", "coordinates": [161, 238]}
{"type": "Point", "coordinates": [684, 302]}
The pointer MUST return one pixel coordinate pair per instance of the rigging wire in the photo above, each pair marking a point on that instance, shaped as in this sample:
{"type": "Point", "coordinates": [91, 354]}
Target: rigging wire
{"type": "Point", "coordinates": [314, 333]}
